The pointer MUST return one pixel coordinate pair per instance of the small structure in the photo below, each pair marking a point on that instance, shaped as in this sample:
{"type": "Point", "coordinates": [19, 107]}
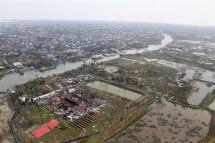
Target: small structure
{"type": "Point", "coordinates": [56, 61]}
{"type": "Point", "coordinates": [71, 90]}
{"type": "Point", "coordinates": [96, 57]}
{"type": "Point", "coordinates": [17, 65]}
{"type": "Point", "coordinates": [2, 67]}
{"type": "Point", "coordinates": [22, 99]}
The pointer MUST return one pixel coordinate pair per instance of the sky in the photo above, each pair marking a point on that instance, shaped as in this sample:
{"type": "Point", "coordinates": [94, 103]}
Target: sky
{"type": "Point", "coordinates": [188, 12]}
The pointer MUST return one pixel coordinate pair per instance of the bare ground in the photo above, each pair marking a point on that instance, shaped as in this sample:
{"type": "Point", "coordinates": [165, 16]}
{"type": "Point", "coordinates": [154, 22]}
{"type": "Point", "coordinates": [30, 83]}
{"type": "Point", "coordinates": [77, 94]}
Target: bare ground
{"type": "Point", "coordinates": [5, 112]}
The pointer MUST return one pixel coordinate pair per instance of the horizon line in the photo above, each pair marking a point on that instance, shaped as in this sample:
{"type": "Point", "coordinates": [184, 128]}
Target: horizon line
{"type": "Point", "coordinates": [109, 21]}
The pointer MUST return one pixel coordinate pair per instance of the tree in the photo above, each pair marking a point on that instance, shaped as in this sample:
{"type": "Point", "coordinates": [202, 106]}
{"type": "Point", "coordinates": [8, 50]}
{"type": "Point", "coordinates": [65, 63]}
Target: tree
{"type": "Point", "coordinates": [63, 125]}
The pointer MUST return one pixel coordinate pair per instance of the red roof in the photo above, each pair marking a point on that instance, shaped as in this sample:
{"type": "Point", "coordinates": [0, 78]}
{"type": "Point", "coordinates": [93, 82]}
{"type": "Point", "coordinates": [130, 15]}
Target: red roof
{"type": "Point", "coordinates": [44, 129]}
{"type": "Point", "coordinates": [39, 132]}
{"type": "Point", "coordinates": [53, 123]}
{"type": "Point", "coordinates": [83, 105]}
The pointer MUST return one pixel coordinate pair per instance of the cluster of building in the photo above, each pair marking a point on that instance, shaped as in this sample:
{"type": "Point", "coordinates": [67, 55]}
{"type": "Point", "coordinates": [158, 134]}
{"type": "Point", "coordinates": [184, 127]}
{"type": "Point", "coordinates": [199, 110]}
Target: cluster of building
{"type": "Point", "coordinates": [71, 103]}
{"type": "Point", "coordinates": [45, 44]}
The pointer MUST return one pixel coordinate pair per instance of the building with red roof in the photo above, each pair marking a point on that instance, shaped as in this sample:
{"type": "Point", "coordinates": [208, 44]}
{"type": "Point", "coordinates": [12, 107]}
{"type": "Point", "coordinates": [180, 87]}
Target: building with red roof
{"type": "Point", "coordinates": [41, 131]}
{"type": "Point", "coordinates": [46, 128]}
{"type": "Point", "coordinates": [53, 123]}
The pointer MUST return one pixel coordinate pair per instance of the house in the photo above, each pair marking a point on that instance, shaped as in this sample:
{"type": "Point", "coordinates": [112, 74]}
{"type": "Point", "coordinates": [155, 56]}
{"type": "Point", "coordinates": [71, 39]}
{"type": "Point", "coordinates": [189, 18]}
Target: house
{"type": "Point", "coordinates": [1, 67]}
{"type": "Point", "coordinates": [71, 90]}
{"type": "Point", "coordinates": [17, 65]}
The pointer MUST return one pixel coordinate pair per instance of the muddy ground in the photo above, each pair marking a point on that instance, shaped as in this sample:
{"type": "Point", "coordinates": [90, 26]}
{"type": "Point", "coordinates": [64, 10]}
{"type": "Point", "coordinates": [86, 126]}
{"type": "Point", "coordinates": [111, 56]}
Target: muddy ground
{"type": "Point", "coordinates": [5, 112]}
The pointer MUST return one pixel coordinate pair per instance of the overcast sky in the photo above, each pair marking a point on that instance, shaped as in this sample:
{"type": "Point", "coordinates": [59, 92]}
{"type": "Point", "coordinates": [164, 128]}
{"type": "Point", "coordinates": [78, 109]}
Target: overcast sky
{"type": "Point", "coordinates": [192, 12]}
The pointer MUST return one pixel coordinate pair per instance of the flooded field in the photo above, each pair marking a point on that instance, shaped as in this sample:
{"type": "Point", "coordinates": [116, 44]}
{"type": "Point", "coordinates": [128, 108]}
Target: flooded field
{"type": "Point", "coordinates": [166, 122]}
{"type": "Point", "coordinates": [212, 106]}
{"type": "Point", "coordinates": [114, 90]}
{"type": "Point", "coordinates": [208, 76]}
{"type": "Point", "coordinates": [197, 97]}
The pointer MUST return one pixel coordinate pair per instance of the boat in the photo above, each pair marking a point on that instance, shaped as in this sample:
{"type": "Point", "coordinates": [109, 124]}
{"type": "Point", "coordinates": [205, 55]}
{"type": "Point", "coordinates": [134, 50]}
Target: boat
{"type": "Point", "coordinates": [96, 57]}
{"type": "Point", "coordinates": [111, 54]}
{"type": "Point", "coordinates": [195, 89]}
{"type": "Point", "coordinates": [46, 68]}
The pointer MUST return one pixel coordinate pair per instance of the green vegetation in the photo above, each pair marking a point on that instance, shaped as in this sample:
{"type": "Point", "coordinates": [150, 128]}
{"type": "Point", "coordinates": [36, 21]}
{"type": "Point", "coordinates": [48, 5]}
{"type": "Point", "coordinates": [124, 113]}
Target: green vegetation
{"type": "Point", "coordinates": [32, 88]}
{"type": "Point", "coordinates": [39, 115]}
{"type": "Point", "coordinates": [1, 103]}
{"type": "Point", "coordinates": [210, 138]}
{"type": "Point", "coordinates": [161, 79]}
{"type": "Point", "coordinates": [14, 99]}
{"type": "Point", "coordinates": [208, 99]}
{"type": "Point", "coordinates": [151, 55]}
{"type": "Point", "coordinates": [63, 125]}
{"type": "Point", "coordinates": [35, 86]}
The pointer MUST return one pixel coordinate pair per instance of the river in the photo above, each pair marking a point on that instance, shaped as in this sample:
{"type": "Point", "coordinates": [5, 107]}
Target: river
{"type": "Point", "coordinates": [167, 39]}
{"type": "Point", "coordinates": [14, 79]}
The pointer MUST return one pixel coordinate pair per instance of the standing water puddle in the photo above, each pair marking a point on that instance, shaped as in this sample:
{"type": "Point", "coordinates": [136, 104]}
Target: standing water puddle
{"type": "Point", "coordinates": [114, 90]}
{"type": "Point", "coordinates": [197, 96]}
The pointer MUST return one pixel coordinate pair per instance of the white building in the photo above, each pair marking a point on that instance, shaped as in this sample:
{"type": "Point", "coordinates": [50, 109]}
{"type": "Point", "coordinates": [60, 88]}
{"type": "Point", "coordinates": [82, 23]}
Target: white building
{"type": "Point", "coordinates": [17, 64]}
